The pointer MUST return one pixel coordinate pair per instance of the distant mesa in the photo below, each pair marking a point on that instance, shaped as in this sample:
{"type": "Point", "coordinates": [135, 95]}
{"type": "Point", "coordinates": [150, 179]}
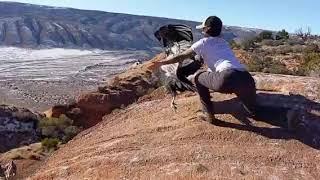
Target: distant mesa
{"type": "Point", "coordinates": [34, 26]}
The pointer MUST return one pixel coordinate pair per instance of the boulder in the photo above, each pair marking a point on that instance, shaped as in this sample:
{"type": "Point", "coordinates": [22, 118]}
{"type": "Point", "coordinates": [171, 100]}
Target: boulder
{"type": "Point", "coordinates": [18, 127]}
{"type": "Point", "coordinates": [287, 84]}
{"type": "Point", "coordinates": [8, 171]}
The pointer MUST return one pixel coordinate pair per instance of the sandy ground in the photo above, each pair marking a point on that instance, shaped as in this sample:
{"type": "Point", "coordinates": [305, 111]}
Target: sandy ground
{"type": "Point", "coordinates": [149, 141]}
{"type": "Point", "coordinates": [41, 95]}
{"type": "Point", "coordinates": [39, 79]}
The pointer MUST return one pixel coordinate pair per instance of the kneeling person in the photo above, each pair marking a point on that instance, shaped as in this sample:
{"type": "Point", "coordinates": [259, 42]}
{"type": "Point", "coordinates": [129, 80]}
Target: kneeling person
{"type": "Point", "coordinates": [225, 73]}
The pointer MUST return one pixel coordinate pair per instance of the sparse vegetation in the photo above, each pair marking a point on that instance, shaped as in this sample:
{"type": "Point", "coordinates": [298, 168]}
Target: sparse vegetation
{"type": "Point", "coordinates": [295, 41]}
{"type": "Point", "coordinates": [310, 65]}
{"type": "Point", "coordinates": [61, 129]}
{"type": "Point", "coordinates": [264, 35]}
{"type": "Point", "coordinates": [312, 48]}
{"type": "Point", "coordinates": [283, 50]}
{"type": "Point", "coordinates": [50, 144]}
{"type": "Point", "coordinates": [270, 42]}
{"type": "Point", "coordinates": [266, 65]}
{"type": "Point", "coordinates": [268, 51]}
{"type": "Point", "coordinates": [248, 44]}
{"type": "Point", "coordinates": [234, 44]}
{"type": "Point", "coordinates": [304, 34]}
{"type": "Point", "coordinates": [297, 48]}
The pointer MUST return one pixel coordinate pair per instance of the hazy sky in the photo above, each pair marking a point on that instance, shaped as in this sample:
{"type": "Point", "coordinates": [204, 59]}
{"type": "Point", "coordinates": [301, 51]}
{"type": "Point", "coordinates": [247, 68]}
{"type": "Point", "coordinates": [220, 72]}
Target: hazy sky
{"type": "Point", "coordinates": [267, 14]}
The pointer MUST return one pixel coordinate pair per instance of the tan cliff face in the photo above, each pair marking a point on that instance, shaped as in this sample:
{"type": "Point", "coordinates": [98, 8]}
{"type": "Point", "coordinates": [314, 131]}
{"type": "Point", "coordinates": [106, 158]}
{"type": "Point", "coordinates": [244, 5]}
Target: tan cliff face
{"type": "Point", "coordinates": [147, 140]}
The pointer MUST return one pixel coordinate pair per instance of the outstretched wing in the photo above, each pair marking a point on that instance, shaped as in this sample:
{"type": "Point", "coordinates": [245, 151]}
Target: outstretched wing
{"type": "Point", "coordinates": [177, 38]}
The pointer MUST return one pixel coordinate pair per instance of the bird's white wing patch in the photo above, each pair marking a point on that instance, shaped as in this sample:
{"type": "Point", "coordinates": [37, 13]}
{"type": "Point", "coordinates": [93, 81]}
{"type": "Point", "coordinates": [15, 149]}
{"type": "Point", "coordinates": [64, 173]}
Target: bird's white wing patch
{"type": "Point", "coordinates": [170, 69]}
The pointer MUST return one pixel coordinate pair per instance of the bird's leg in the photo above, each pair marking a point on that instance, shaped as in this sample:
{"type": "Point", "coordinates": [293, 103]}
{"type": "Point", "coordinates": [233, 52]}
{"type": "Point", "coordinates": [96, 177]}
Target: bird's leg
{"type": "Point", "coordinates": [173, 104]}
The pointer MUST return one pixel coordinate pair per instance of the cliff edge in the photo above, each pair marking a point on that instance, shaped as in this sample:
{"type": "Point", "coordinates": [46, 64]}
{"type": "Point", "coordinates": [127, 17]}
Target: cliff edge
{"type": "Point", "coordinates": [140, 137]}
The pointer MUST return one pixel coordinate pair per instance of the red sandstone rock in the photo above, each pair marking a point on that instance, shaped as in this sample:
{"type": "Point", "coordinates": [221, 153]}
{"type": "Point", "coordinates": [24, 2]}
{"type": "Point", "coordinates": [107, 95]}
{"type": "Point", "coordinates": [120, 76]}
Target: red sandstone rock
{"type": "Point", "coordinates": [127, 87]}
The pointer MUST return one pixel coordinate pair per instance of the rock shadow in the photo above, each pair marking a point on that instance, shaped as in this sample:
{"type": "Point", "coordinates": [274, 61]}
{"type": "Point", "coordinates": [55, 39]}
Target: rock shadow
{"type": "Point", "coordinates": [276, 110]}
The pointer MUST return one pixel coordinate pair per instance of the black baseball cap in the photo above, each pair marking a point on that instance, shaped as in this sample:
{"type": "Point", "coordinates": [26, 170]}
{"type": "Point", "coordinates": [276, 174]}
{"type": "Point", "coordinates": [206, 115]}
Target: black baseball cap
{"type": "Point", "coordinates": [211, 21]}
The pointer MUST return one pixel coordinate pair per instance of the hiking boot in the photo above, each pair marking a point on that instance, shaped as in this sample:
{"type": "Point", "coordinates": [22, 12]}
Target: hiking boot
{"type": "Point", "coordinates": [204, 116]}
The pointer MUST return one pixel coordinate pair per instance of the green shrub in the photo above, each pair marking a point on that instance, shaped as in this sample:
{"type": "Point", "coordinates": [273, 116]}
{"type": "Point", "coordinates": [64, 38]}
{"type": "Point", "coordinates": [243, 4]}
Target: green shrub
{"type": "Point", "coordinates": [282, 35]}
{"type": "Point", "coordinates": [50, 131]}
{"type": "Point", "coordinates": [50, 144]}
{"type": "Point", "coordinates": [60, 122]}
{"type": "Point", "coordinates": [264, 35]}
{"type": "Point", "coordinates": [61, 128]}
{"type": "Point", "coordinates": [69, 133]}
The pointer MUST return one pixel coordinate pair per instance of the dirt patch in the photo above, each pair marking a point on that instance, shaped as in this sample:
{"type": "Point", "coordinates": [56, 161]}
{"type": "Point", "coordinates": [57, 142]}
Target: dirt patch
{"type": "Point", "coordinates": [28, 159]}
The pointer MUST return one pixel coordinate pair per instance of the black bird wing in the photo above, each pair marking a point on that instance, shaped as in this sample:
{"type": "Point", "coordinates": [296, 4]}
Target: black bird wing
{"type": "Point", "coordinates": [177, 38]}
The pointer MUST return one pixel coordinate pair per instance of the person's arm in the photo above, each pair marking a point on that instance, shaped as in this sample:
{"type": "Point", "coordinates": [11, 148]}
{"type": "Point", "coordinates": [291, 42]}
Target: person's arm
{"type": "Point", "coordinates": [189, 53]}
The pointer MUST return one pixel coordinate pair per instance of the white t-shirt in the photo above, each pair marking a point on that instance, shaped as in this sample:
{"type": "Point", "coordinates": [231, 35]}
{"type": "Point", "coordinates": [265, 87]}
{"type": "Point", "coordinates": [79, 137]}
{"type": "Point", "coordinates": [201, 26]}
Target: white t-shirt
{"type": "Point", "coordinates": [217, 54]}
